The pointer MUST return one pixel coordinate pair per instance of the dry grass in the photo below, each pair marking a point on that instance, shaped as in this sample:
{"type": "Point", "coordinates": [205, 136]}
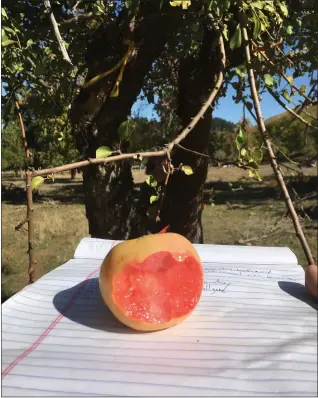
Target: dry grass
{"type": "Point", "coordinates": [245, 215]}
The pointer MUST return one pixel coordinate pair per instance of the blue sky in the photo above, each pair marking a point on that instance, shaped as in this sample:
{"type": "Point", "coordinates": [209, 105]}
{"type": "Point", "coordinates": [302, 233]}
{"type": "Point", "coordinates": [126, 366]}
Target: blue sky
{"type": "Point", "coordinates": [227, 109]}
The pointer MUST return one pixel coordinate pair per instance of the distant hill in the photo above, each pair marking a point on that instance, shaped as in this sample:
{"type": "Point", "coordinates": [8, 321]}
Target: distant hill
{"type": "Point", "coordinates": [311, 110]}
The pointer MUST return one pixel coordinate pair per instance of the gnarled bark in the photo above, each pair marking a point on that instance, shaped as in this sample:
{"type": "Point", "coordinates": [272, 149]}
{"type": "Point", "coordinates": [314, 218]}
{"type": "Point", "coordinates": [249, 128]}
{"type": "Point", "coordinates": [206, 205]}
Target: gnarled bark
{"type": "Point", "coordinates": [96, 118]}
{"type": "Point", "coordinates": [182, 207]}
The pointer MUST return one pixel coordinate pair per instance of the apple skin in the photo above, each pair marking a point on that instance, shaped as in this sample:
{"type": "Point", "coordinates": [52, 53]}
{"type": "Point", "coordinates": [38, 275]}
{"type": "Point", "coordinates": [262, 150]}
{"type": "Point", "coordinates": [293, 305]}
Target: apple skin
{"type": "Point", "coordinates": [135, 251]}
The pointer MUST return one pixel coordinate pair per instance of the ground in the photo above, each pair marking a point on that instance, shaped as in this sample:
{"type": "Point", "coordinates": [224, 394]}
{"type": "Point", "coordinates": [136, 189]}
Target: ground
{"type": "Point", "coordinates": [238, 211]}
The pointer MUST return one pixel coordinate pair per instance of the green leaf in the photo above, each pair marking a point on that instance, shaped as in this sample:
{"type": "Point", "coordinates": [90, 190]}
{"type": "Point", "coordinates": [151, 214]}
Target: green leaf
{"type": "Point", "coordinates": [249, 105]}
{"type": "Point", "coordinates": [269, 80]}
{"type": "Point", "coordinates": [9, 29]}
{"type": "Point", "coordinates": [289, 30]}
{"type": "Point", "coordinates": [30, 42]}
{"type": "Point", "coordinates": [243, 152]}
{"type": "Point", "coordinates": [257, 4]}
{"type": "Point", "coordinates": [255, 173]}
{"type": "Point", "coordinates": [241, 138]}
{"type": "Point", "coordinates": [36, 182]}
{"type": "Point", "coordinates": [283, 9]}
{"type": "Point", "coordinates": [153, 198]}
{"type": "Point", "coordinates": [236, 39]}
{"type": "Point", "coordinates": [241, 71]}
{"type": "Point", "coordinates": [225, 32]}
{"type": "Point", "coordinates": [184, 3]}
{"type": "Point", "coordinates": [257, 156]}
{"type": "Point", "coordinates": [128, 4]}
{"type": "Point", "coordinates": [269, 7]}
{"type": "Point", "coordinates": [150, 180]}
{"type": "Point", "coordinates": [187, 170]}
{"type": "Point", "coordinates": [257, 27]}
{"type": "Point", "coordinates": [6, 43]}
{"type": "Point", "coordinates": [103, 152]}
{"type": "Point", "coordinates": [286, 95]}
{"type": "Point", "coordinates": [4, 13]}
{"type": "Point", "coordinates": [290, 79]}
{"type": "Point", "coordinates": [303, 89]}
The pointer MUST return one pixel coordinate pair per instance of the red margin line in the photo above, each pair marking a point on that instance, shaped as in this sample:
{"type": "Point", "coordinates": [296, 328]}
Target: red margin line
{"type": "Point", "coordinates": [13, 364]}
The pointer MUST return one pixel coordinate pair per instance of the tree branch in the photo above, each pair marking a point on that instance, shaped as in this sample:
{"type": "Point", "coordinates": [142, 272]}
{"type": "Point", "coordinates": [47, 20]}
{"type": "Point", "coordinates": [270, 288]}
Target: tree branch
{"type": "Point", "coordinates": [78, 18]}
{"type": "Point", "coordinates": [301, 107]}
{"type": "Point", "coordinates": [195, 152]}
{"type": "Point", "coordinates": [275, 166]}
{"type": "Point", "coordinates": [25, 143]}
{"type": "Point", "coordinates": [42, 82]}
{"type": "Point", "coordinates": [213, 94]}
{"type": "Point", "coordinates": [281, 103]}
{"type": "Point", "coordinates": [57, 31]}
{"type": "Point", "coordinates": [282, 73]}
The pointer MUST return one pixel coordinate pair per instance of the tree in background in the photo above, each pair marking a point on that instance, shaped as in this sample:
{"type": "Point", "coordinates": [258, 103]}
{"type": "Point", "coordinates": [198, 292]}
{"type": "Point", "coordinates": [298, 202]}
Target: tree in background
{"type": "Point", "coordinates": [168, 51]}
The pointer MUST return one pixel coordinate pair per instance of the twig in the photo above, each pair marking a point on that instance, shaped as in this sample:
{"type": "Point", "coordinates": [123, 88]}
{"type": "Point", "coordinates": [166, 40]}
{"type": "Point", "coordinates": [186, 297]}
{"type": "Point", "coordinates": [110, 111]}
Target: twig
{"type": "Point", "coordinates": [290, 168]}
{"type": "Point", "coordinates": [75, 6]}
{"type": "Point", "coordinates": [194, 152]}
{"type": "Point", "coordinates": [78, 18]}
{"type": "Point", "coordinates": [32, 261]}
{"type": "Point", "coordinates": [43, 83]}
{"type": "Point", "coordinates": [213, 94]}
{"type": "Point", "coordinates": [25, 143]}
{"type": "Point", "coordinates": [275, 166]}
{"type": "Point", "coordinates": [308, 197]}
{"type": "Point", "coordinates": [57, 31]}
{"type": "Point", "coordinates": [88, 162]}
{"type": "Point", "coordinates": [282, 73]}
{"type": "Point", "coordinates": [281, 103]}
{"type": "Point", "coordinates": [164, 190]}
{"type": "Point", "coordinates": [20, 225]}
{"type": "Point", "coordinates": [300, 108]}
{"type": "Point", "coordinates": [300, 204]}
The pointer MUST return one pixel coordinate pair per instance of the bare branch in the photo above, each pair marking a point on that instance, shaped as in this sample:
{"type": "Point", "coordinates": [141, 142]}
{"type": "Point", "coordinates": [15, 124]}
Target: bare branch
{"type": "Point", "coordinates": [42, 82]}
{"type": "Point", "coordinates": [57, 31]}
{"type": "Point", "coordinates": [213, 94]}
{"type": "Point", "coordinates": [164, 190]}
{"type": "Point", "coordinates": [75, 6]}
{"type": "Point", "coordinates": [195, 152]}
{"type": "Point", "coordinates": [301, 107]}
{"type": "Point", "coordinates": [32, 261]}
{"type": "Point", "coordinates": [78, 18]}
{"type": "Point", "coordinates": [20, 225]}
{"type": "Point", "coordinates": [274, 164]}
{"type": "Point", "coordinates": [25, 143]}
{"type": "Point", "coordinates": [283, 74]}
{"type": "Point", "coordinates": [281, 103]}
{"type": "Point", "coordinates": [170, 146]}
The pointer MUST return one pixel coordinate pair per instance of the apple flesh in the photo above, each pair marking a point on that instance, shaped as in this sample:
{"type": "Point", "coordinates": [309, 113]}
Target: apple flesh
{"type": "Point", "coordinates": [153, 282]}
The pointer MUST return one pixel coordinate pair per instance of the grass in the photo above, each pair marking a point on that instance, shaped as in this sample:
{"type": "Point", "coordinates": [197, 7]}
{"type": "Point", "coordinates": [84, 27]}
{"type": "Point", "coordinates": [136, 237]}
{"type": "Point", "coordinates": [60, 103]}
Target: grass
{"type": "Point", "coordinates": [242, 213]}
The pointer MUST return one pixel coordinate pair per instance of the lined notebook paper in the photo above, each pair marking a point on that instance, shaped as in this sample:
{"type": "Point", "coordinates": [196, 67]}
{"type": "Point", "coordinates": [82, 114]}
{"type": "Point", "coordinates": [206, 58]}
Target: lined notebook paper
{"type": "Point", "coordinates": [254, 333]}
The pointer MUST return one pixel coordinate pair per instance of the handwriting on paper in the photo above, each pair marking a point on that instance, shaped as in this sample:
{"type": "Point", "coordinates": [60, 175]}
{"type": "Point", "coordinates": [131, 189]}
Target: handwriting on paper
{"type": "Point", "coordinates": [246, 272]}
{"type": "Point", "coordinates": [213, 286]}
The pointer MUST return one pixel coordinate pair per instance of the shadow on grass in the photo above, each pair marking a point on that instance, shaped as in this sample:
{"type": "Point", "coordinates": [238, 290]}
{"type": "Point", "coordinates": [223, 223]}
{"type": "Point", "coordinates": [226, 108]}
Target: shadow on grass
{"type": "Point", "coordinates": [71, 192]}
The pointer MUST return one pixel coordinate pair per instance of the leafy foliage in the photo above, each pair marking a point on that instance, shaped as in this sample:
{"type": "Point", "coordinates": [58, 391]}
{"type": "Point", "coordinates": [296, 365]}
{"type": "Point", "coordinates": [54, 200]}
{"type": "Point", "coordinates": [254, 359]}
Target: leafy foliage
{"type": "Point", "coordinates": [34, 72]}
{"type": "Point", "coordinates": [13, 154]}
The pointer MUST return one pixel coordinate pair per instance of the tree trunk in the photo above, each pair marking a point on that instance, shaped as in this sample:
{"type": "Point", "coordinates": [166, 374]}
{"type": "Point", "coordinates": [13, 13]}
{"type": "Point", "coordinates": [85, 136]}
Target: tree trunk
{"type": "Point", "coordinates": [183, 204]}
{"type": "Point", "coordinates": [96, 118]}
